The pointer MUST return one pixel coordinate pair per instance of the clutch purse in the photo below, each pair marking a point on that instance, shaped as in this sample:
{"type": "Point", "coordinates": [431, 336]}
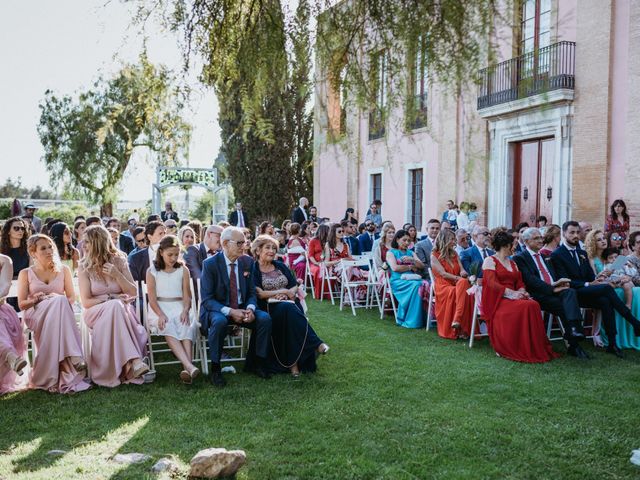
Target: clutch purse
{"type": "Point", "coordinates": [410, 276]}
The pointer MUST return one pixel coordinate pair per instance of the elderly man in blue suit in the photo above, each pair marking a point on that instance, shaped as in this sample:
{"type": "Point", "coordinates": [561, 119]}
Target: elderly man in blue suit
{"type": "Point", "coordinates": [228, 297]}
{"type": "Point", "coordinates": [480, 250]}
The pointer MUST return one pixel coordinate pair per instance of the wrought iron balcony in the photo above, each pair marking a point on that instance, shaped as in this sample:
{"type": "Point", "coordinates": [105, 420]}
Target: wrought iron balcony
{"type": "Point", "coordinates": [546, 69]}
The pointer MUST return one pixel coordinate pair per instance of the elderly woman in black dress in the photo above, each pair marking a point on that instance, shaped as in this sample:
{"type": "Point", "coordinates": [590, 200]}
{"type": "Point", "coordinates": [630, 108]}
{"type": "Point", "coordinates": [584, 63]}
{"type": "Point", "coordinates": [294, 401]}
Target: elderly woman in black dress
{"type": "Point", "coordinates": [295, 344]}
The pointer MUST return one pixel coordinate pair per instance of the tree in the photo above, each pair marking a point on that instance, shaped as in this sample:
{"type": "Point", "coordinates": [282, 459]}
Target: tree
{"type": "Point", "coordinates": [89, 140]}
{"type": "Point", "coordinates": [14, 189]}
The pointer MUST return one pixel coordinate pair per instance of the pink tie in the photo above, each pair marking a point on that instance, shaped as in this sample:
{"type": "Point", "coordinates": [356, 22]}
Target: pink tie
{"type": "Point", "coordinates": [545, 275]}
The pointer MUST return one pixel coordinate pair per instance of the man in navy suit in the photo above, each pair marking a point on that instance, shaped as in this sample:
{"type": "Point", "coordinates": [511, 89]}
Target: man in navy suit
{"type": "Point", "coordinates": [197, 254]}
{"type": "Point", "coordinates": [139, 262]}
{"type": "Point", "coordinates": [539, 276]}
{"type": "Point", "coordinates": [367, 238]}
{"type": "Point", "coordinates": [520, 228]}
{"type": "Point", "coordinates": [239, 218]}
{"type": "Point", "coordinates": [349, 237]}
{"type": "Point", "coordinates": [299, 214]}
{"type": "Point", "coordinates": [228, 297]}
{"type": "Point", "coordinates": [570, 261]}
{"type": "Point", "coordinates": [480, 250]}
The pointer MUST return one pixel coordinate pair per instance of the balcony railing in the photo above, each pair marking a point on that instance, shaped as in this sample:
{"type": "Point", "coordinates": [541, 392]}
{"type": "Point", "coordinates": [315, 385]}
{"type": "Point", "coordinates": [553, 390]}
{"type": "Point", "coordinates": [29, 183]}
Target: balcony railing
{"type": "Point", "coordinates": [546, 69]}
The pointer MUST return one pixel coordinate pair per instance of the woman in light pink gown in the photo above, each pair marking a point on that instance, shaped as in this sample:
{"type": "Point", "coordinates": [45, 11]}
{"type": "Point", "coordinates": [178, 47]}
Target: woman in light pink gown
{"type": "Point", "coordinates": [12, 345]}
{"type": "Point", "coordinates": [118, 341]}
{"type": "Point", "coordinates": [45, 295]}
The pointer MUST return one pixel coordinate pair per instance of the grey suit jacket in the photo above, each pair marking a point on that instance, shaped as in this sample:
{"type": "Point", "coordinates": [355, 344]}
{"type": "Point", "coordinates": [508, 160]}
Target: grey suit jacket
{"type": "Point", "coordinates": [423, 251]}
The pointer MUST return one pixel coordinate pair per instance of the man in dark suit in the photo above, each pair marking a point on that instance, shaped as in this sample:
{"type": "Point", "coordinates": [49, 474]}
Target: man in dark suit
{"type": "Point", "coordinates": [197, 254]}
{"type": "Point", "coordinates": [168, 213]}
{"type": "Point", "coordinates": [239, 218]}
{"type": "Point", "coordinates": [349, 237]}
{"type": "Point", "coordinates": [367, 238]}
{"type": "Point", "coordinates": [476, 254]}
{"type": "Point", "coordinates": [229, 297]}
{"type": "Point", "coordinates": [520, 228]}
{"type": "Point", "coordinates": [560, 300]}
{"type": "Point", "coordinates": [570, 261]}
{"type": "Point", "coordinates": [299, 213]}
{"type": "Point", "coordinates": [424, 247]}
{"type": "Point", "coordinates": [313, 214]}
{"type": "Point", "coordinates": [139, 262]}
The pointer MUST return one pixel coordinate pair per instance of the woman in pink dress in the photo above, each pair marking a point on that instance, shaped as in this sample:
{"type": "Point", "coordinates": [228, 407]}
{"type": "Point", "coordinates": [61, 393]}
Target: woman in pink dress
{"type": "Point", "coordinates": [45, 295]}
{"type": "Point", "coordinates": [118, 341]}
{"type": "Point", "coordinates": [12, 345]}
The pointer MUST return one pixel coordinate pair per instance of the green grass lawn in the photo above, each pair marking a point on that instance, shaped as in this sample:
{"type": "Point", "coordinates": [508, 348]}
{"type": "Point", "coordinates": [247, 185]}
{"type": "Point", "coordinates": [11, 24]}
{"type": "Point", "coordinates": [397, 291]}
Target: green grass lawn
{"type": "Point", "coordinates": [386, 403]}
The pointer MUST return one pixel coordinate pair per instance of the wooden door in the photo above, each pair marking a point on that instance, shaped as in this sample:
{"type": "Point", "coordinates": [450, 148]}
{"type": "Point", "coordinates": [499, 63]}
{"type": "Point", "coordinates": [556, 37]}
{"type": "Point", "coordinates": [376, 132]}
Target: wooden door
{"type": "Point", "coordinates": [533, 181]}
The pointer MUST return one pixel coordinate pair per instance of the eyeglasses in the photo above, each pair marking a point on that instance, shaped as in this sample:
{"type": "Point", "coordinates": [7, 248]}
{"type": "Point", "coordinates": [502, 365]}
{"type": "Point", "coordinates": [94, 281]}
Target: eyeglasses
{"type": "Point", "coordinates": [616, 237]}
{"type": "Point", "coordinates": [339, 231]}
{"type": "Point", "coordinates": [239, 243]}
{"type": "Point", "coordinates": [486, 234]}
{"type": "Point", "coordinates": [140, 240]}
{"type": "Point", "coordinates": [18, 229]}
{"type": "Point", "coordinates": [171, 227]}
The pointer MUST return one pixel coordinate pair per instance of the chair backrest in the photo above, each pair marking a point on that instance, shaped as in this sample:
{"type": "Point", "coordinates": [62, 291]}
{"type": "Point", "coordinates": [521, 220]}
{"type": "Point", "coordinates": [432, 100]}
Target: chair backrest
{"type": "Point", "coordinates": [13, 289]}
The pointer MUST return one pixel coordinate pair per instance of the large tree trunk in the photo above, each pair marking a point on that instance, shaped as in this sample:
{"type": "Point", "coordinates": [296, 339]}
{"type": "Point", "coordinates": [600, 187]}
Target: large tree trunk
{"type": "Point", "coordinates": [106, 210]}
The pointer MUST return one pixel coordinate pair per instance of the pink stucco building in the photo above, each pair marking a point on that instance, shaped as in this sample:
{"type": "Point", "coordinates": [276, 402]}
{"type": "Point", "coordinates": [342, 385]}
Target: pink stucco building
{"type": "Point", "coordinates": [553, 128]}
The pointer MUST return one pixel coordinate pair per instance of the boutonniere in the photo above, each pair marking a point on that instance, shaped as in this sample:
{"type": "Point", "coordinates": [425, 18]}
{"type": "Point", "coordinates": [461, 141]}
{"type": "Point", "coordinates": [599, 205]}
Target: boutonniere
{"type": "Point", "coordinates": [246, 273]}
{"type": "Point", "coordinates": [582, 257]}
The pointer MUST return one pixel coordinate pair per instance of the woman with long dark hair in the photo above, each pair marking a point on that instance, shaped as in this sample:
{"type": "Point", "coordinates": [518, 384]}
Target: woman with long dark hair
{"type": "Point", "coordinates": [315, 253]}
{"type": "Point", "coordinates": [349, 216]}
{"type": "Point", "coordinates": [61, 236]}
{"type": "Point", "coordinates": [618, 220]}
{"type": "Point", "coordinates": [13, 243]}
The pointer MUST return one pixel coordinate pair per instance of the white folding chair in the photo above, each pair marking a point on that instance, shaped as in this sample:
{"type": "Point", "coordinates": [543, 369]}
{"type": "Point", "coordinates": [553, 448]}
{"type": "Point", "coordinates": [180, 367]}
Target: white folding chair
{"type": "Point", "coordinates": [327, 279]}
{"type": "Point", "coordinates": [351, 286]}
{"type": "Point", "coordinates": [308, 276]}
{"type": "Point", "coordinates": [477, 317]}
{"type": "Point", "coordinates": [432, 300]}
{"type": "Point", "coordinates": [387, 291]}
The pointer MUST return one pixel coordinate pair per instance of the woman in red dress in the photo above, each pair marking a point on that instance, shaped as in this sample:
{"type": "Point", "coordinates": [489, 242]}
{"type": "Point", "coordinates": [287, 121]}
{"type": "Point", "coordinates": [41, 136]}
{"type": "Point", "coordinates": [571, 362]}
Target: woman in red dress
{"type": "Point", "coordinates": [454, 307]}
{"type": "Point", "coordinates": [335, 250]}
{"type": "Point", "coordinates": [315, 253]}
{"type": "Point", "coordinates": [515, 325]}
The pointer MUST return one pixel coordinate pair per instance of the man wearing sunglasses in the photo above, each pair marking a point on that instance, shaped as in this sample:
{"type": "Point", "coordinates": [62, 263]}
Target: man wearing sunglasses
{"type": "Point", "coordinates": [473, 256]}
{"type": "Point", "coordinates": [30, 214]}
{"type": "Point", "coordinates": [197, 254]}
{"type": "Point", "coordinates": [367, 238]}
{"type": "Point", "coordinates": [229, 298]}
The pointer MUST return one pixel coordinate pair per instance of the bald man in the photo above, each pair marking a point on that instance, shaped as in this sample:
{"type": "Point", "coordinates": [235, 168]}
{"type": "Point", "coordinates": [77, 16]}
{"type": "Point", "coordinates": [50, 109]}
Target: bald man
{"type": "Point", "coordinates": [196, 254]}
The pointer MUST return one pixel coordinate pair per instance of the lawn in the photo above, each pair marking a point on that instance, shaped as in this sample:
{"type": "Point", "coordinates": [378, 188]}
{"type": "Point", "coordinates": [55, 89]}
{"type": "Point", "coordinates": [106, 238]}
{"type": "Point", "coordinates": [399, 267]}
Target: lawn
{"type": "Point", "coordinates": [386, 403]}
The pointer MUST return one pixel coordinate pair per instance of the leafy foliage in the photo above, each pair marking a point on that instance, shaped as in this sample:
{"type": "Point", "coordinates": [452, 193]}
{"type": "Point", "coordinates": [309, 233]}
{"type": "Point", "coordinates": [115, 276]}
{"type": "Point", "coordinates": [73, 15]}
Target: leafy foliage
{"type": "Point", "coordinates": [89, 140]}
{"type": "Point", "coordinates": [14, 189]}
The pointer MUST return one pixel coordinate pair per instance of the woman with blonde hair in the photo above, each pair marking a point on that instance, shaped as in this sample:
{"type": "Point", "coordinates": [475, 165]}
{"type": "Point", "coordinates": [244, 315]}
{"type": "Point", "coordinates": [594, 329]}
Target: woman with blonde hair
{"type": "Point", "coordinates": [45, 295]}
{"type": "Point", "coordinates": [454, 307]}
{"type": "Point", "coordinates": [107, 290]}
{"type": "Point", "coordinates": [550, 240]}
{"type": "Point", "coordinates": [187, 237]}
{"type": "Point", "coordinates": [383, 245]}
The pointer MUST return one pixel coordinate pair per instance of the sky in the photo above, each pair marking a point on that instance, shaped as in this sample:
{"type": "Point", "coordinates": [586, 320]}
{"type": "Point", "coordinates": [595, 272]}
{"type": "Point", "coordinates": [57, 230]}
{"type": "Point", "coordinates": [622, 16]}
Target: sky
{"type": "Point", "coordinates": [63, 45]}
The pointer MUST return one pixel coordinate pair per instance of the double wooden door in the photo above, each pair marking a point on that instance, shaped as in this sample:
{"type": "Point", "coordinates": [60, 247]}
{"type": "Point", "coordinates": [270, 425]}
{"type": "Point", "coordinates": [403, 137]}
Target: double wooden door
{"type": "Point", "coordinates": [533, 180]}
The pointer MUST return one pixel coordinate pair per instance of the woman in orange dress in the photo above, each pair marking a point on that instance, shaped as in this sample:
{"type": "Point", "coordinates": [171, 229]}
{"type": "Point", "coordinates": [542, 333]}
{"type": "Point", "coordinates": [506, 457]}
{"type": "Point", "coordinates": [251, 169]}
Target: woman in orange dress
{"type": "Point", "coordinates": [315, 252]}
{"type": "Point", "coordinates": [454, 307]}
{"type": "Point", "coordinates": [514, 320]}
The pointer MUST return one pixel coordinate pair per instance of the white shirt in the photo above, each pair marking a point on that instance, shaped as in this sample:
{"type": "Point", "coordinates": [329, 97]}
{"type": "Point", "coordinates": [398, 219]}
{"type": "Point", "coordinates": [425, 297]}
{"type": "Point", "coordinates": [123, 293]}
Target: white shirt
{"type": "Point", "coordinates": [304, 212]}
{"type": "Point", "coordinates": [152, 251]}
{"type": "Point", "coordinates": [486, 249]}
{"type": "Point", "coordinates": [571, 250]}
{"type": "Point", "coordinates": [225, 310]}
{"type": "Point", "coordinates": [544, 264]}
{"type": "Point", "coordinates": [240, 219]}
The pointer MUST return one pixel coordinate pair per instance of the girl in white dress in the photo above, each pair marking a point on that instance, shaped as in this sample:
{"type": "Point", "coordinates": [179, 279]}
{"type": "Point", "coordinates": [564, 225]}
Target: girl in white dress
{"type": "Point", "coordinates": [170, 312]}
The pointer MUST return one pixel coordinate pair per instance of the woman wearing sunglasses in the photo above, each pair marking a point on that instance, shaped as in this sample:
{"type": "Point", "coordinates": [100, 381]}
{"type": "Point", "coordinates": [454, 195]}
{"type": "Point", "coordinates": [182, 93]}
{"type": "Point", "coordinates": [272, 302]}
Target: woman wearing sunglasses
{"type": "Point", "coordinates": [13, 243]}
{"type": "Point", "coordinates": [618, 220]}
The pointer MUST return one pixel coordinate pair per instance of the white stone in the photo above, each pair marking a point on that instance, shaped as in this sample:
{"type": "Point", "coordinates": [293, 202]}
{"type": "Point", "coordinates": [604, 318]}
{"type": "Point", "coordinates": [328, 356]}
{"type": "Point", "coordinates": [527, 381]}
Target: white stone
{"type": "Point", "coordinates": [217, 462]}
{"type": "Point", "coordinates": [130, 457]}
{"type": "Point", "coordinates": [165, 465]}
{"type": "Point", "coordinates": [56, 452]}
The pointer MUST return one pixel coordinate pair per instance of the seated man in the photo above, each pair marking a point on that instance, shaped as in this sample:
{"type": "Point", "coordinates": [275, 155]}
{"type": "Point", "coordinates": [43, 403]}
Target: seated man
{"type": "Point", "coordinates": [473, 257]}
{"type": "Point", "coordinates": [196, 254]}
{"type": "Point", "coordinates": [561, 300]}
{"type": "Point", "coordinates": [228, 295]}
{"type": "Point", "coordinates": [424, 247]}
{"type": "Point", "coordinates": [367, 238]}
{"type": "Point", "coordinates": [571, 262]}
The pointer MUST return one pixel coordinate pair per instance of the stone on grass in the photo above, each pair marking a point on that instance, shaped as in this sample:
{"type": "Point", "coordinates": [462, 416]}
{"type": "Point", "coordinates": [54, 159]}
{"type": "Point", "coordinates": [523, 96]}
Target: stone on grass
{"type": "Point", "coordinates": [217, 462]}
{"type": "Point", "coordinates": [635, 457]}
{"type": "Point", "coordinates": [165, 465]}
{"type": "Point", "coordinates": [56, 452]}
{"type": "Point", "coordinates": [130, 457]}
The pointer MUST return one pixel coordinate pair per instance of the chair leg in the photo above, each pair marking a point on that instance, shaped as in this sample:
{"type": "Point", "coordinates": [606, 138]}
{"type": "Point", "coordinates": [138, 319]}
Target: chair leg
{"type": "Point", "coordinates": [473, 325]}
{"type": "Point", "coordinates": [351, 299]}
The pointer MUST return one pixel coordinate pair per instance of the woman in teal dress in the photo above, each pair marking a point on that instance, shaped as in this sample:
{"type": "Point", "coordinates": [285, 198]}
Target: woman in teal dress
{"type": "Point", "coordinates": [595, 244]}
{"type": "Point", "coordinates": [405, 263]}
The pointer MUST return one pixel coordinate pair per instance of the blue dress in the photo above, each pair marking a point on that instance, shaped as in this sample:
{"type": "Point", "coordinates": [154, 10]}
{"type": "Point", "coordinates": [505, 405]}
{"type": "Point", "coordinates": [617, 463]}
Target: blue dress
{"type": "Point", "coordinates": [407, 292]}
{"type": "Point", "coordinates": [625, 338]}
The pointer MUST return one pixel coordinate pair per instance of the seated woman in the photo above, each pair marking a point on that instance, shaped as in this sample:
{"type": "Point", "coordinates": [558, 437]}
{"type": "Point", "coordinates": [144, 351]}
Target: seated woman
{"type": "Point", "coordinates": [382, 246]}
{"type": "Point", "coordinates": [295, 344]}
{"type": "Point", "coordinates": [266, 228]}
{"type": "Point", "coordinates": [454, 307]}
{"type": "Point", "coordinates": [408, 291]}
{"type": "Point", "coordinates": [78, 231]}
{"type": "Point", "coordinates": [45, 294]}
{"type": "Point", "coordinates": [170, 312]}
{"type": "Point", "coordinates": [596, 246]}
{"type": "Point", "coordinates": [295, 251]}
{"type": "Point", "coordinates": [413, 235]}
{"type": "Point", "coordinates": [336, 250]}
{"type": "Point", "coordinates": [187, 237]}
{"type": "Point", "coordinates": [61, 236]}
{"type": "Point", "coordinates": [514, 320]}
{"type": "Point", "coordinates": [550, 241]}
{"type": "Point", "coordinates": [13, 348]}
{"type": "Point", "coordinates": [13, 243]}
{"type": "Point", "coordinates": [107, 290]}
{"type": "Point", "coordinates": [316, 256]}
{"type": "Point", "coordinates": [617, 221]}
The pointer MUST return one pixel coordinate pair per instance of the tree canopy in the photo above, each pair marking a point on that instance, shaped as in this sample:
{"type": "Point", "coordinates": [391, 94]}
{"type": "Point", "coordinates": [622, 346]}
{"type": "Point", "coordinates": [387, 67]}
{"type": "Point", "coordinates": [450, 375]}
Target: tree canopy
{"type": "Point", "coordinates": [89, 139]}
